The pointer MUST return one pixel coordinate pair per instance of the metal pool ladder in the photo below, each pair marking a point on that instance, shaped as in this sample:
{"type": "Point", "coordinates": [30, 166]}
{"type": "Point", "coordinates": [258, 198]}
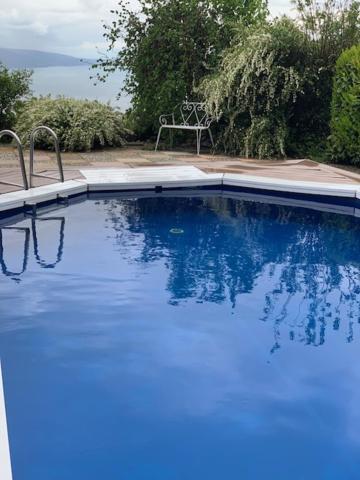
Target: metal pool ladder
{"type": "Point", "coordinates": [12, 134]}
{"type": "Point", "coordinates": [57, 151]}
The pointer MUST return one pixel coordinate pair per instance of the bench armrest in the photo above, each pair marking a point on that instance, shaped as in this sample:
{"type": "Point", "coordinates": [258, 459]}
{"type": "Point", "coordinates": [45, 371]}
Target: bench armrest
{"type": "Point", "coordinates": [209, 121]}
{"type": "Point", "coordinates": [168, 119]}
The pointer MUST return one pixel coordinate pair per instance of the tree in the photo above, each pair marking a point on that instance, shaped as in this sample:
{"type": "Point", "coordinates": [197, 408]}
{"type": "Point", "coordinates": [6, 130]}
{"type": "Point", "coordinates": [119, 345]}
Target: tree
{"type": "Point", "coordinates": [345, 108]}
{"type": "Point", "coordinates": [330, 27]}
{"type": "Point", "coordinates": [167, 47]}
{"type": "Point", "coordinates": [14, 86]}
{"type": "Point", "coordinates": [273, 87]}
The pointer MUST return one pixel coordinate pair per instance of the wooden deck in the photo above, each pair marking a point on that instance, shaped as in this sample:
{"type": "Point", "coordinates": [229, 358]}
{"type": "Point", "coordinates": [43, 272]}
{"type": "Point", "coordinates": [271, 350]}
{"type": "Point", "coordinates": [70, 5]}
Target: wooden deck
{"type": "Point", "coordinates": [301, 169]}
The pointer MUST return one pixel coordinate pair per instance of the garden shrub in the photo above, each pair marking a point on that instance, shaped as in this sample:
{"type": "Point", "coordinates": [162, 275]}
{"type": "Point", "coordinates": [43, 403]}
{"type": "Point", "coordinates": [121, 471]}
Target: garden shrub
{"type": "Point", "coordinates": [345, 108]}
{"type": "Point", "coordinates": [79, 124]}
{"type": "Point", "coordinates": [329, 27]}
{"type": "Point", "coordinates": [254, 92]}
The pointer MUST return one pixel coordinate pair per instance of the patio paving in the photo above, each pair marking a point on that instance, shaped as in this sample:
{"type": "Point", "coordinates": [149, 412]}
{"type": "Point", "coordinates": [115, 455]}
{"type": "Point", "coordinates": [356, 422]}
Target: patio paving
{"type": "Point", "coordinates": [133, 157]}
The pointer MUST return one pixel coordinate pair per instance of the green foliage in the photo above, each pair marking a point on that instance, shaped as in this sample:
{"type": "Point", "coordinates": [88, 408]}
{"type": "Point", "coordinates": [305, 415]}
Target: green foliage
{"type": "Point", "coordinates": [345, 108]}
{"type": "Point", "coordinates": [79, 124]}
{"type": "Point", "coordinates": [330, 27]}
{"type": "Point", "coordinates": [255, 90]}
{"type": "Point", "coordinates": [269, 83]}
{"type": "Point", "coordinates": [168, 46]}
{"type": "Point", "coordinates": [14, 86]}
{"type": "Point", "coordinates": [272, 90]}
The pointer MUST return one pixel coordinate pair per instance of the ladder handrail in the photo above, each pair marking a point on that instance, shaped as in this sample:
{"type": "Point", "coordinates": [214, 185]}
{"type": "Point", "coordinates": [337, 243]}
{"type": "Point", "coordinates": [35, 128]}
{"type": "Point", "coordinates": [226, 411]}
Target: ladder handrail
{"type": "Point", "coordinates": [12, 134]}
{"type": "Point", "coordinates": [32, 151]}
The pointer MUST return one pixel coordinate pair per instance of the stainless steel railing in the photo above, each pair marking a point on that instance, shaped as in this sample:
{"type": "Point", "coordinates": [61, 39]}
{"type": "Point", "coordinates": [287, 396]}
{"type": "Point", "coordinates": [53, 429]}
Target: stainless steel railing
{"type": "Point", "coordinates": [32, 154]}
{"type": "Point", "coordinates": [12, 134]}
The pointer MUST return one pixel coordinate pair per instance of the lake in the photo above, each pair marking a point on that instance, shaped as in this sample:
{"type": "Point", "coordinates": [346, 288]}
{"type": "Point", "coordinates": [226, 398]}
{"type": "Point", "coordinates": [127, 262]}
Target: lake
{"type": "Point", "coordinates": [75, 82]}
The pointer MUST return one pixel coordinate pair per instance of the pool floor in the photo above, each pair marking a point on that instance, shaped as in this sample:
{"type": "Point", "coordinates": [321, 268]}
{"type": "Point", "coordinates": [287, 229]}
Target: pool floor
{"type": "Point", "coordinates": [181, 339]}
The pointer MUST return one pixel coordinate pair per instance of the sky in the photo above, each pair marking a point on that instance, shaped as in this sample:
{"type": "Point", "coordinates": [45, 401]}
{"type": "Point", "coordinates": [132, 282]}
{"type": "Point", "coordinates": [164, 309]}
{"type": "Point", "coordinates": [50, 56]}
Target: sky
{"type": "Point", "coordinates": [72, 27]}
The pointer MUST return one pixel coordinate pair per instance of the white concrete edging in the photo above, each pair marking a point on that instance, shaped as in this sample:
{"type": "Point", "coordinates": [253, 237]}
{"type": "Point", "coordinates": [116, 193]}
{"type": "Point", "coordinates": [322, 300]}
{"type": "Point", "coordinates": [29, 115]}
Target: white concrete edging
{"type": "Point", "coordinates": [9, 201]}
{"type": "Point", "coordinates": [122, 179]}
{"type": "Point", "coordinates": [292, 186]}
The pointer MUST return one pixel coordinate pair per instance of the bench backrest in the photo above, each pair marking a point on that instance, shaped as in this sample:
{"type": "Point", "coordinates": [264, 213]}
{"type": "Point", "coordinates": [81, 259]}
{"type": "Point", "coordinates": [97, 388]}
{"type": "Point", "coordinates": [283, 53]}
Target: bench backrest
{"type": "Point", "coordinates": [192, 114]}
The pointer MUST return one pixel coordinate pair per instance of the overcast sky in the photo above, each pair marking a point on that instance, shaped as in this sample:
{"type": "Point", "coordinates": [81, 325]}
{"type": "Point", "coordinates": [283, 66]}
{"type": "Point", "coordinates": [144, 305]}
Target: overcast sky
{"type": "Point", "coordinates": [65, 26]}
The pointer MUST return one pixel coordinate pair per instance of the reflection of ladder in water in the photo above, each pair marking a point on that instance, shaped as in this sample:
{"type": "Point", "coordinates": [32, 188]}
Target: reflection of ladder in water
{"type": "Point", "coordinates": [43, 264]}
{"type": "Point", "coordinates": [3, 265]}
{"type": "Point", "coordinates": [59, 254]}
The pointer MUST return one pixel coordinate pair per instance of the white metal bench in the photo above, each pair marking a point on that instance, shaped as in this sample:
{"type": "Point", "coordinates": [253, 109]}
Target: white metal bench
{"type": "Point", "coordinates": [187, 116]}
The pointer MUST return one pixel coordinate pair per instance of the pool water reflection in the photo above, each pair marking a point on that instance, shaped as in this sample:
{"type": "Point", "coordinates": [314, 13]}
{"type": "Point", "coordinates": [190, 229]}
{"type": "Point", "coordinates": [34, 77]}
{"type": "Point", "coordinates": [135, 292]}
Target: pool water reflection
{"type": "Point", "coordinates": [228, 349]}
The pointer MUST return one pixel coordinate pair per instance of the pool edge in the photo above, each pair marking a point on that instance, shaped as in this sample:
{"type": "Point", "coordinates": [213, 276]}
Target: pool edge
{"type": "Point", "coordinates": [317, 193]}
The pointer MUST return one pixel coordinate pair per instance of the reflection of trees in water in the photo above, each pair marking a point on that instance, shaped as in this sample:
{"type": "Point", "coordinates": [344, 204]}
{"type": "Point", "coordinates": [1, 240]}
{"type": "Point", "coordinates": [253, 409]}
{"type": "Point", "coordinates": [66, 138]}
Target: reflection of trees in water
{"type": "Point", "coordinates": [319, 297]}
{"type": "Point", "coordinates": [229, 247]}
{"type": "Point", "coordinates": [203, 262]}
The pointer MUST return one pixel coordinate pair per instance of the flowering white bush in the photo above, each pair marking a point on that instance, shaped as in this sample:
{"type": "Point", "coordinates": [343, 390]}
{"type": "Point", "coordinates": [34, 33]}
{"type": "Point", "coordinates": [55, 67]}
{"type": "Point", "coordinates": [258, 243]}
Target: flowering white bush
{"type": "Point", "coordinates": [253, 93]}
{"type": "Point", "coordinates": [79, 124]}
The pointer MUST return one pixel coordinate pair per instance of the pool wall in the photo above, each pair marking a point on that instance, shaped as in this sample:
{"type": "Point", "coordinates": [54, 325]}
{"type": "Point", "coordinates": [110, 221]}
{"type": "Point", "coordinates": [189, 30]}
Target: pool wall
{"type": "Point", "coordinates": [5, 464]}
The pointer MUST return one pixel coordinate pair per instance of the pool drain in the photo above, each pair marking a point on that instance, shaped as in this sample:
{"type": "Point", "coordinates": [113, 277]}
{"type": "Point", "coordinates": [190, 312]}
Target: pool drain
{"type": "Point", "coordinates": [176, 231]}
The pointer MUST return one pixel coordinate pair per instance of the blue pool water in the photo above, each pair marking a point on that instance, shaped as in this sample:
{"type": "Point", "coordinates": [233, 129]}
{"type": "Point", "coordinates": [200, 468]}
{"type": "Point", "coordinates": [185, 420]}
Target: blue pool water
{"type": "Point", "coordinates": [181, 339]}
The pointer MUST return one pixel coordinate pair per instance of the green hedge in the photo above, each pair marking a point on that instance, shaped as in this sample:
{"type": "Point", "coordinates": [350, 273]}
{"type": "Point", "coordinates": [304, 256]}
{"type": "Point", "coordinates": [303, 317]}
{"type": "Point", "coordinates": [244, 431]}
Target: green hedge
{"type": "Point", "coordinates": [345, 108]}
{"type": "Point", "coordinates": [79, 124]}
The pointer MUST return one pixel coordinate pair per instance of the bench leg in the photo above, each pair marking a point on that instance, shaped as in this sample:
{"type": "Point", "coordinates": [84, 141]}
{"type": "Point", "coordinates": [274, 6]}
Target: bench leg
{"type": "Point", "coordinates": [158, 139]}
{"type": "Point", "coordinates": [171, 139]}
{"type": "Point", "coordinates": [211, 138]}
{"type": "Point", "coordinates": [198, 141]}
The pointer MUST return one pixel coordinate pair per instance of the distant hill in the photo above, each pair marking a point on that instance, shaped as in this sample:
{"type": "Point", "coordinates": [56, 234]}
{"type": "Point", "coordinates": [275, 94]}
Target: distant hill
{"type": "Point", "coordinates": [17, 58]}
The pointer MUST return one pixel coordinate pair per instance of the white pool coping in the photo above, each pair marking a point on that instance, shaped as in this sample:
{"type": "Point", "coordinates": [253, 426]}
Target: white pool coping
{"type": "Point", "coordinates": [292, 186]}
{"type": "Point", "coordinates": [173, 177]}
{"type": "Point", "coordinates": [13, 200]}
{"type": "Point", "coordinates": [149, 177]}
{"type": "Point", "coordinates": [5, 462]}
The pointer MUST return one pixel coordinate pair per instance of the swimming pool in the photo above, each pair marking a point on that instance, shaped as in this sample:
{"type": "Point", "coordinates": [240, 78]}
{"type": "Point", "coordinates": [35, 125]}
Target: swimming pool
{"type": "Point", "coordinates": [181, 338]}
